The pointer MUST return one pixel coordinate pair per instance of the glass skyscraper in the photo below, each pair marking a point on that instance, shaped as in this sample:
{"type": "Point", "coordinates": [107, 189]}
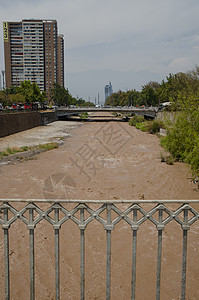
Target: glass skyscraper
{"type": "Point", "coordinates": [108, 90]}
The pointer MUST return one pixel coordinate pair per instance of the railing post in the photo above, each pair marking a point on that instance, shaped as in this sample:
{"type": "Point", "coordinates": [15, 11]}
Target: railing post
{"type": "Point", "coordinates": [108, 252]}
{"type": "Point", "coordinates": [6, 255]}
{"type": "Point", "coordinates": [159, 256]}
{"type": "Point", "coordinates": [134, 250]}
{"type": "Point", "coordinates": [57, 255]}
{"type": "Point", "coordinates": [32, 254]}
{"type": "Point", "coordinates": [82, 247]}
{"type": "Point", "coordinates": [185, 228]}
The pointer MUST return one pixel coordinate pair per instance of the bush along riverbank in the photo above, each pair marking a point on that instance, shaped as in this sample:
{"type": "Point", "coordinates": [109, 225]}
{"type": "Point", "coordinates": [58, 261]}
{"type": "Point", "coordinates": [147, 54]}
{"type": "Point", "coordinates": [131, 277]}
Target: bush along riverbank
{"type": "Point", "coordinates": [181, 140]}
{"type": "Point", "coordinates": [20, 154]}
{"type": "Point", "coordinates": [147, 126]}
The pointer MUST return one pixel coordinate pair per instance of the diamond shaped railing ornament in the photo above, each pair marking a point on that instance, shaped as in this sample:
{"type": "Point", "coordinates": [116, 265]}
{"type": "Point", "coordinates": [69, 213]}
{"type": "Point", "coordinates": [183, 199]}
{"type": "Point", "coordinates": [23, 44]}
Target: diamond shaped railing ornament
{"type": "Point", "coordinates": [186, 223]}
{"type": "Point", "coordinates": [5, 220]}
{"type": "Point", "coordinates": [160, 208]}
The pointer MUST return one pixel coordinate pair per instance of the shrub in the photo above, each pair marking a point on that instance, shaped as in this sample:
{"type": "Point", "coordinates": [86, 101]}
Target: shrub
{"type": "Point", "coordinates": [9, 151]}
{"type": "Point", "coordinates": [141, 126]}
{"type": "Point", "coordinates": [136, 119]}
{"type": "Point", "coordinates": [193, 159]}
{"type": "Point", "coordinates": [48, 146]}
{"type": "Point", "coordinates": [150, 126]}
{"type": "Point", "coordinates": [84, 115]}
{"type": "Point", "coordinates": [182, 140]}
{"type": "Point", "coordinates": [169, 159]}
{"type": "Point", "coordinates": [154, 126]}
{"type": "Point", "coordinates": [13, 150]}
{"type": "Point", "coordinates": [25, 148]}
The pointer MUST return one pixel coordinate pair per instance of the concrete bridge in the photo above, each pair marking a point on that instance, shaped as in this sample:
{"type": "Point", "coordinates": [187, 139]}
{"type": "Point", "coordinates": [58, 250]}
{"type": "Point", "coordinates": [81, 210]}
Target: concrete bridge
{"type": "Point", "coordinates": [148, 112]}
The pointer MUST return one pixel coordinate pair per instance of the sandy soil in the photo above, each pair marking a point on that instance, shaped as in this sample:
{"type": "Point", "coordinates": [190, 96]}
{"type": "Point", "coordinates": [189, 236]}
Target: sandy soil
{"type": "Point", "coordinates": [99, 161]}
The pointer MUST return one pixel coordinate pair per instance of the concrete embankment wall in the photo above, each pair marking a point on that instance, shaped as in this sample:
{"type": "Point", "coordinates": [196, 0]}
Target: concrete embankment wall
{"type": "Point", "coordinates": [19, 121]}
{"type": "Point", "coordinates": [167, 116]}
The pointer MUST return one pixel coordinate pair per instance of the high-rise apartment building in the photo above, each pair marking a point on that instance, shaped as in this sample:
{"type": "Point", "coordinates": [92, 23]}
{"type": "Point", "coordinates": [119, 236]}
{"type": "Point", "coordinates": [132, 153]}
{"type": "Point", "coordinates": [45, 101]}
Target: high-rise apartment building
{"type": "Point", "coordinates": [108, 90]}
{"type": "Point", "coordinates": [33, 51]}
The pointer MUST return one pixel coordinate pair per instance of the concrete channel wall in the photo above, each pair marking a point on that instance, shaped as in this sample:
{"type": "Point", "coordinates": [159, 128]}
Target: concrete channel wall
{"type": "Point", "coordinates": [19, 121]}
{"type": "Point", "coordinates": [167, 116]}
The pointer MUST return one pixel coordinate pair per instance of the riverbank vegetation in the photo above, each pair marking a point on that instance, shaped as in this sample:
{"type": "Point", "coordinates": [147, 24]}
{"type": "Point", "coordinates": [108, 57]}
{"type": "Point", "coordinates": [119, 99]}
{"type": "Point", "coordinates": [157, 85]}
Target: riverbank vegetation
{"type": "Point", "coordinates": [84, 115]}
{"type": "Point", "coordinates": [147, 126]}
{"type": "Point", "coordinates": [41, 147]}
{"type": "Point", "coordinates": [182, 138]}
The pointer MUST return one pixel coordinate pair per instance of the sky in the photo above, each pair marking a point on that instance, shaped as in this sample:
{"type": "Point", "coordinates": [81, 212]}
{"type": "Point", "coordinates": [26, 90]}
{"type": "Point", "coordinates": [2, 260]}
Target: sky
{"type": "Point", "coordinates": [126, 42]}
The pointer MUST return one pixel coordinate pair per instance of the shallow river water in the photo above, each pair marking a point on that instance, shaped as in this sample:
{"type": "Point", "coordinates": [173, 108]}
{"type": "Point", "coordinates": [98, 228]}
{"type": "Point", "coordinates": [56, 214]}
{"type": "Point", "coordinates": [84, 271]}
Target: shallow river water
{"type": "Point", "coordinates": [98, 161]}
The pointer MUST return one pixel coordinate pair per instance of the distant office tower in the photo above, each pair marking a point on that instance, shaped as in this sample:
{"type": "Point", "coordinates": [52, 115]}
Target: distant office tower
{"type": "Point", "coordinates": [108, 90]}
{"type": "Point", "coordinates": [32, 52]}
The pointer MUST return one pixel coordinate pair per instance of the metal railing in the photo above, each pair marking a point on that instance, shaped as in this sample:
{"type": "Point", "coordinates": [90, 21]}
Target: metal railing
{"type": "Point", "coordinates": [132, 213]}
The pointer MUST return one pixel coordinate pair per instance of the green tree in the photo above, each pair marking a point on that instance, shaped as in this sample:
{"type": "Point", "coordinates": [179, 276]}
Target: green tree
{"type": "Point", "coordinates": [133, 98]}
{"type": "Point", "coordinates": [149, 94]}
{"type": "Point", "coordinates": [10, 95]}
{"type": "Point", "coordinates": [81, 102]}
{"type": "Point", "coordinates": [179, 86]}
{"type": "Point", "coordinates": [31, 92]}
{"type": "Point", "coordinates": [114, 99]}
{"type": "Point", "coordinates": [4, 98]}
{"type": "Point", "coordinates": [61, 96]}
{"type": "Point", "coordinates": [16, 98]}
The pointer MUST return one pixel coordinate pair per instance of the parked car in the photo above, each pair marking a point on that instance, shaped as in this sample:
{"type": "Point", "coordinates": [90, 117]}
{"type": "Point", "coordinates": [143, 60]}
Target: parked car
{"type": "Point", "coordinates": [164, 105]}
{"type": "Point", "coordinates": [27, 106]}
{"type": "Point", "coordinates": [20, 106]}
{"type": "Point", "coordinates": [14, 105]}
{"type": "Point", "coordinates": [54, 107]}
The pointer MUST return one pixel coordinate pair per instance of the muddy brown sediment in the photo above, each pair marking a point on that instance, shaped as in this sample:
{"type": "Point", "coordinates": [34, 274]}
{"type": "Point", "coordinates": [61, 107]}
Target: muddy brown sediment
{"type": "Point", "coordinates": [101, 161]}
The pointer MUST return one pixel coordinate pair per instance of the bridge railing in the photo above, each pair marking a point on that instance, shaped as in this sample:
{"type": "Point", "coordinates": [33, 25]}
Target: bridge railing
{"type": "Point", "coordinates": [108, 214]}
